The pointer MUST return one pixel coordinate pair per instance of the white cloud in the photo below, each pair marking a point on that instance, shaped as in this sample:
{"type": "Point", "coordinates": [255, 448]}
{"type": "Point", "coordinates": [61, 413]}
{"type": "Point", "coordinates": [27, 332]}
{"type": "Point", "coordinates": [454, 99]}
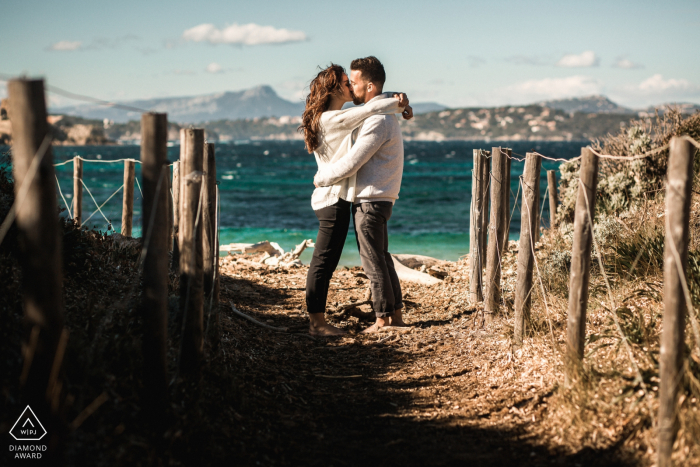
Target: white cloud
{"type": "Point", "coordinates": [548, 88]}
{"type": "Point", "coordinates": [214, 67]}
{"type": "Point", "coordinates": [66, 45]}
{"type": "Point", "coordinates": [243, 34]}
{"type": "Point", "coordinates": [626, 64]}
{"type": "Point", "coordinates": [586, 59]}
{"type": "Point", "coordinates": [98, 43]}
{"type": "Point", "coordinates": [657, 90]}
{"type": "Point", "coordinates": [657, 84]}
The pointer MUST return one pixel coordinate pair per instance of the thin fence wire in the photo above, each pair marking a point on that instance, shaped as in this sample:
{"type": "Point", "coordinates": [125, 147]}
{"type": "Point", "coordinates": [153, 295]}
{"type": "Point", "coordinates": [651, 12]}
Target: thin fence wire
{"type": "Point", "coordinates": [515, 204]}
{"type": "Point", "coordinates": [544, 201]}
{"type": "Point", "coordinates": [539, 278]}
{"type": "Point", "coordinates": [139, 186]}
{"type": "Point", "coordinates": [686, 291]}
{"type": "Point", "coordinates": [99, 208]}
{"type": "Point", "coordinates": [99, 161]}
{"type": "Point", "coordinates": [64, 198]}
{"type": "Point", "coordinates": [613, 307]}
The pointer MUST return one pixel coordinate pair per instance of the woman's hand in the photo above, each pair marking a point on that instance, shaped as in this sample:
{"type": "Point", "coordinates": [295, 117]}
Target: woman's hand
{"type": "Point", "coordinates": [407, 113]}
{"type": "Point", "coordinates": [403, 99]}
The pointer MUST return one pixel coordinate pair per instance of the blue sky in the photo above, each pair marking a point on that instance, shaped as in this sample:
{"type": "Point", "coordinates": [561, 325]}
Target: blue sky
{"type": "Point", "coordinates": [457, 53]}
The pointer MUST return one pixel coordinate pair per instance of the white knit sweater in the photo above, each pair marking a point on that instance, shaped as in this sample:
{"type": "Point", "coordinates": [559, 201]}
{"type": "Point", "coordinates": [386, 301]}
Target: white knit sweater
{"type": "Point", "coordinates": [335, 141]}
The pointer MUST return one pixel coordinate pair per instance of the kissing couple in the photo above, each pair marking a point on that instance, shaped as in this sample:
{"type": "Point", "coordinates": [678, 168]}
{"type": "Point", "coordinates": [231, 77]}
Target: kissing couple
{"type": "Point", "coordinates": [359, 152]}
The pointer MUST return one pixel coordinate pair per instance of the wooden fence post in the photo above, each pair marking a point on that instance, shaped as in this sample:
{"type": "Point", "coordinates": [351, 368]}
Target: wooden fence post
{"type": "Point", "coordinates": [506, 203]}
{"type": "Point", "coordinates": [538, 220]}
{"type": "Point", "coordinates": [526, 258]}
{"type": "Point", "coordinates": [581, 261]}
{"type": "Point", "coordinates": [210, 259]}
{"type": "Point", "coordinates": [176, 214]}
{"type": "Point", "coordinates": [78, 190]}
{"type": "Point", "coordinates": [154, 225]}
{"type": "Point", "coordinates": [217, 277]}
{"type": "Point", "coordinates": [678, 196]}
{"type": "Point", "coordinates": [191, 276]}
{"type": "Point", "coordinates": [475, 224]}
{"type": "Point", "coordinates": [485, 176]}
{"type": "Point", "coordinates": [39, 252]}
{"type": "Point", "coordinates": [553, 198]}
{"type": "Point", "coordinates": [169, 207]}
{"type": "Point", "coordinates": [493, 255]}
{"type": "Point", "coordinates": [128, 201]}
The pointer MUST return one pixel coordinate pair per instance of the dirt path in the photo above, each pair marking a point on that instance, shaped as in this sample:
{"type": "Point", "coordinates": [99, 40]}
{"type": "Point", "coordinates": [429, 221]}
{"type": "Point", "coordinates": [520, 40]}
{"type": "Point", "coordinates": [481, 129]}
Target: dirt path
{"type": "Point", "coordinates": [446, 393]}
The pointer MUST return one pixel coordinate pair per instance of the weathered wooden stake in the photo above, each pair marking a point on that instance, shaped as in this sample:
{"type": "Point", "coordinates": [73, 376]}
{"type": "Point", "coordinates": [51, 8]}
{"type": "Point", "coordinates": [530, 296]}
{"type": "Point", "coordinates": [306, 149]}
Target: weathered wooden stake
{"type": "Point", "coordinates": [191, 260]}
{"type": "Point", "coordinates": [506, 203]}
{"type": "Point", "coordinates": [485, 195]}
{"type": "Point", "coordinates": [217, 277]}
{"type": "Point", "coordinates": [78, 190]}
{"type": "Point", "coordinates": [169, 207]}
{"type": "Point", "coordinates": [154, 225]}
{"type": "Point", "coordinates": [538, 221]}
{"type": "Point", "coordinates": [176, 213]}
{"type": "Point", "coordinates": [553, 198]}
{"type": "Point", "coordinates": [581, 261]}
{"type": "Point", "coordinates": [496, 227]}
{"type": "Point", "coordinates": [526, 258]}
{"type": "Point", "coordinates": [678, 195]}
{"type": "Point", "coordinates": [39, 245]}
{"type": "Point", "coordinates": [128, 202]}
{"type": "Point", "coordinates": [475, 224]}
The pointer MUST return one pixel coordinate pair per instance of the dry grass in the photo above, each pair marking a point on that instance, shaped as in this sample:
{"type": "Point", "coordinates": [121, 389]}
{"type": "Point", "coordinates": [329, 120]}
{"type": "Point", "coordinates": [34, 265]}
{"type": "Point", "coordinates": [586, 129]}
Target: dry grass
{"type": "Point", "coordinates": [613, 404]}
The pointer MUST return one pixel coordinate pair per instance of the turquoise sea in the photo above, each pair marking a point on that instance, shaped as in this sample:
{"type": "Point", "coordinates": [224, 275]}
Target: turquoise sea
{"type": "Point", "coordinates": [266, 188]}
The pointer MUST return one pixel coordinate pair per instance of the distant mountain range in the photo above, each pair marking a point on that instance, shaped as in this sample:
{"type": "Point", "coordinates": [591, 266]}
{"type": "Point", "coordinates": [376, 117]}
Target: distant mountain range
{"type": "Point", "coordinates": [603, 105]}
{"type": "Point", "coordinates": [260, 101]}
{"type": "Point", "coordinates": [587, 105]}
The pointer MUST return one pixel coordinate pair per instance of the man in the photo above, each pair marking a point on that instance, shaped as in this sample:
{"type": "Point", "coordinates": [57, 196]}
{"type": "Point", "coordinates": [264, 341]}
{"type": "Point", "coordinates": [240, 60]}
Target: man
{"type": "Point", "coordinates": [377, 159]}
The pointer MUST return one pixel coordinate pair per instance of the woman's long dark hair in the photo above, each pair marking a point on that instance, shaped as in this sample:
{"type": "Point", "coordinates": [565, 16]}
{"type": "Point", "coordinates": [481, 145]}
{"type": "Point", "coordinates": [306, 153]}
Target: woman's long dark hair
{"type": "Point", "coordinates": [322, 87]}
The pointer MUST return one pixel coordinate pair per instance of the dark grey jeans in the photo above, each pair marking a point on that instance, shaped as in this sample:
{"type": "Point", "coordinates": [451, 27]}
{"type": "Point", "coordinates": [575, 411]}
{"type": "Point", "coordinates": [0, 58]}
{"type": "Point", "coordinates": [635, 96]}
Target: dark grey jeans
{"type": "Point", "coordinates": [370, 221]}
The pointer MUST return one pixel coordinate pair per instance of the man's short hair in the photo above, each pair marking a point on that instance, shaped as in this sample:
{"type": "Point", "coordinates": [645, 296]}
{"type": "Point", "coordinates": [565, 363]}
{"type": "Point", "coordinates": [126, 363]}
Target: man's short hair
{"type": "Point", "coordinates": [372, 70]}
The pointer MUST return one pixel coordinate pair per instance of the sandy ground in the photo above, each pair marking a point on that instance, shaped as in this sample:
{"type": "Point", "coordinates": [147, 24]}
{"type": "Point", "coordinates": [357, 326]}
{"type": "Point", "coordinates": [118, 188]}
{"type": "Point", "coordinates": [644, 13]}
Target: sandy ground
{"type": "Point", "coordinates": [449, 391]}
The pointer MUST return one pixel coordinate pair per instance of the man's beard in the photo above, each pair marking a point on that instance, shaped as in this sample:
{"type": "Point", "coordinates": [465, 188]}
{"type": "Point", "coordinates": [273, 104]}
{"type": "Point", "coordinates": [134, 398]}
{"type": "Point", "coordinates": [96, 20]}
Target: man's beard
{"type": "Point", "coordinates": [357, 100]}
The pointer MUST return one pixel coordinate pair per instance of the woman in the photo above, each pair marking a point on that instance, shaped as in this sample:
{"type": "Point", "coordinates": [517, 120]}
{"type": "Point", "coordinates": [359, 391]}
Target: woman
{"type": "Point", "coordinates": [328, 134]}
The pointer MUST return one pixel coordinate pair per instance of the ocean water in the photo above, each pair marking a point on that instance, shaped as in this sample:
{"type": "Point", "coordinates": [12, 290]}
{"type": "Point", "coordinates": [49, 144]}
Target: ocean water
{"type": "Point", "coordinates": [266, 188]}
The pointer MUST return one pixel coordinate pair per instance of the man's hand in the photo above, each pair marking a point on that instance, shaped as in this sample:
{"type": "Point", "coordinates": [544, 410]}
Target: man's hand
{"type": "Point", "coordinates": [407, 113]}
{"type": "Point", "coordinates": [403, 99]}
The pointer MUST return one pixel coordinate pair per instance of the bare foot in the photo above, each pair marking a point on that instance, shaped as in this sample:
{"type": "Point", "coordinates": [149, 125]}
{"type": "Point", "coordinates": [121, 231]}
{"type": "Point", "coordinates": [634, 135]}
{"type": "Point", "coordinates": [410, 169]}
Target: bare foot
{"type": "Point", "coordinates": [319, 327]}
{"type": "Point", "coordinates": [326, 330]}
{"type": "Point", "coordinates": [397, 319]}
{"type": "Point", "coordinates": [380, 323]}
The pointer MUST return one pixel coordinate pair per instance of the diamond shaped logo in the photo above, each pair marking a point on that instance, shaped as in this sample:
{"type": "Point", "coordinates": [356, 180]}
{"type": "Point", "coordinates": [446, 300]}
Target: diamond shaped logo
{"type": "Point", "coordinates": [28, 427]}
